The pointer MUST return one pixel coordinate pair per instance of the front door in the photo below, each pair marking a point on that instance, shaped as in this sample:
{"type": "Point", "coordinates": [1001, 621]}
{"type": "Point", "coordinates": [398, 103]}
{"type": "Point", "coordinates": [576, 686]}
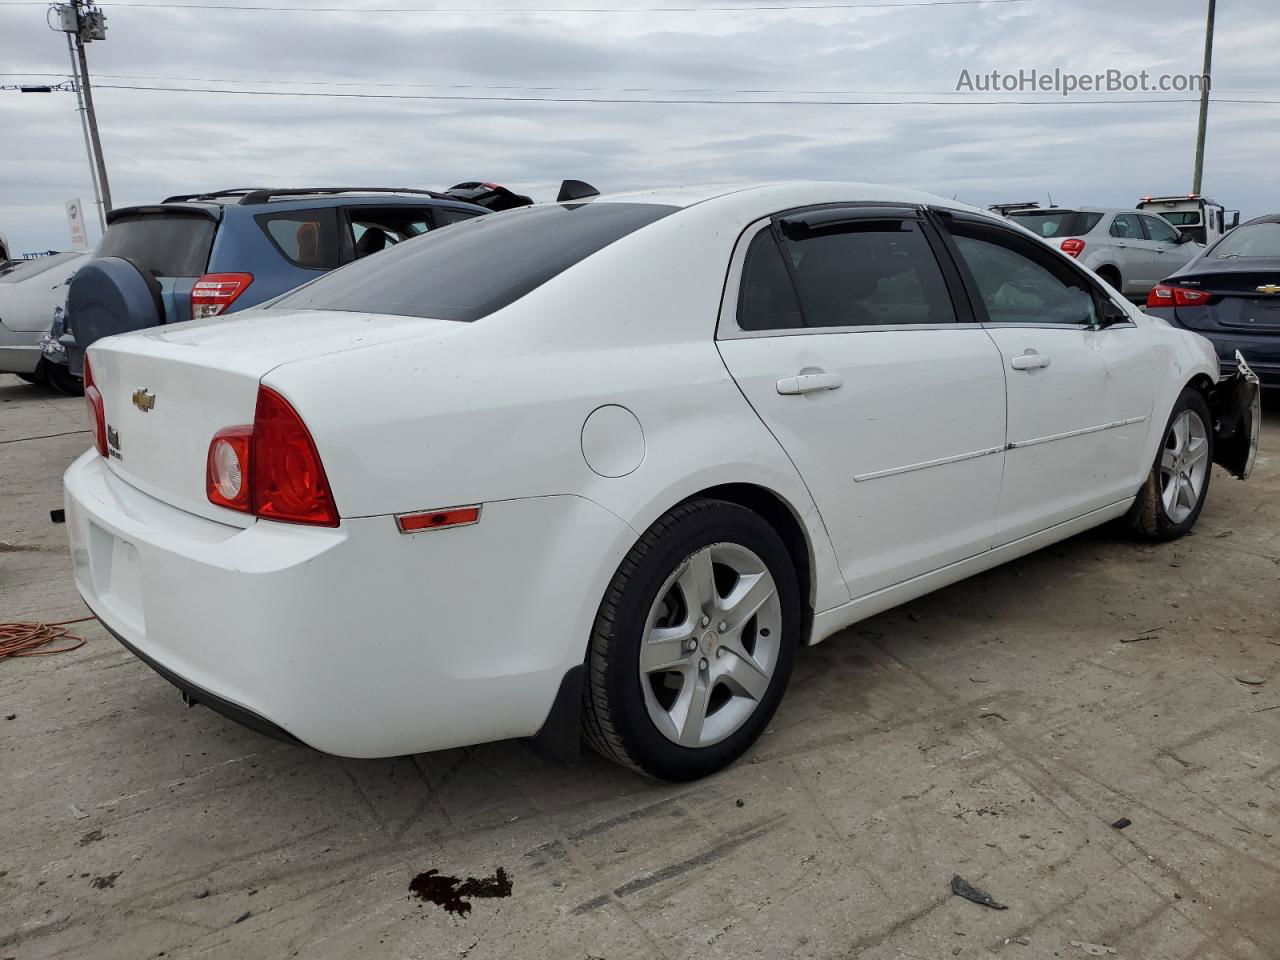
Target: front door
{"type": "Point", "coordinates": [1079, 382]}
{"type": "Point", "coordinates": [841, 329]}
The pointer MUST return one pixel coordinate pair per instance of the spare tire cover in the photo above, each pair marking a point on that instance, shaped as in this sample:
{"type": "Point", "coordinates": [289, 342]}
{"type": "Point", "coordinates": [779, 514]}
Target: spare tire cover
{"type": "Point", "coordinates": [111, 295]}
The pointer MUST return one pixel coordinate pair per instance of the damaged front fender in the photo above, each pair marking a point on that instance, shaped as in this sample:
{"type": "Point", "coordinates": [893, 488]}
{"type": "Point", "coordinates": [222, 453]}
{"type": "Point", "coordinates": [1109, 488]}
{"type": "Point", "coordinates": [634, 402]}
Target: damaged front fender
{"type": "Point", "coordinates": [1236, 404]}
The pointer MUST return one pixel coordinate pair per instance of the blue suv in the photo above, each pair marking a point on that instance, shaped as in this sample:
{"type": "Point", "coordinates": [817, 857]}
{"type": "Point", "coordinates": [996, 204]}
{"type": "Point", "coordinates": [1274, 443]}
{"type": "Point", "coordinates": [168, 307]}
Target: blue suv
{"type": "Point", "coordinates": [202, 255]}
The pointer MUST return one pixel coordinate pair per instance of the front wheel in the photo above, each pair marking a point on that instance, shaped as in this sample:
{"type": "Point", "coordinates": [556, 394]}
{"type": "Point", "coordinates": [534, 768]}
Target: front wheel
{"type": "Point", "coordinates": [693, 644]}
{"type": "Point", "coordinates": [1170, 501]}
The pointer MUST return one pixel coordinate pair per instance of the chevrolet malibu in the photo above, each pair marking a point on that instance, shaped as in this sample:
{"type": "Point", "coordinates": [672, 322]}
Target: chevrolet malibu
{"type": "Point", "coordinates": [604, 465]}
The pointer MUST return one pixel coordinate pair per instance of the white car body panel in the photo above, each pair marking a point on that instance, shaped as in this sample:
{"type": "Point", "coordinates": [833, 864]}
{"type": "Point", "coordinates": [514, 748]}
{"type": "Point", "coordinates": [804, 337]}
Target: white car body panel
{"type": "Point", "coordinates": [26, 312]}
{"type": "Point", "coordinates": [363, 641]}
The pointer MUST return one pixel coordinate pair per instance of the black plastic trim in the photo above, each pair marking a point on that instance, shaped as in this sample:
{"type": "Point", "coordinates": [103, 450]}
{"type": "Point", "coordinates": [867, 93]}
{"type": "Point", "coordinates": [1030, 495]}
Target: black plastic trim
{"type": "Point", "coordinates": [194, 693]}
{"type": "Point", "coordinates": [560, 737]}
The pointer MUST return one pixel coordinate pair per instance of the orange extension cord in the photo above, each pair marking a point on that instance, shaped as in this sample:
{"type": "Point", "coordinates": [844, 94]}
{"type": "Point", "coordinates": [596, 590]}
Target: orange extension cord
{"type": "Point", "coordinates": [24, 639]}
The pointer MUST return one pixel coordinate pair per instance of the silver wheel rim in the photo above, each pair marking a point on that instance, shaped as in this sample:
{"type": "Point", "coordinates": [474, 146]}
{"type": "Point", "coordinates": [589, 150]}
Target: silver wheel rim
{"type": "Point", "coordinates": [710, 645]}
{"type": "Point", "coordinates": [1184, 465]}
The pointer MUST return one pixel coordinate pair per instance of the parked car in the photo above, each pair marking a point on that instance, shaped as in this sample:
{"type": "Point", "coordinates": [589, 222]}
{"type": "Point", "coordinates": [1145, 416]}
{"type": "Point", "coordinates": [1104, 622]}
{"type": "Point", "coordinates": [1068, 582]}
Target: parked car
{"type": "Point", "coordinates": [29, 292]}
{"type": "Point", "coordinates": [614, 460]}
{"type": "Point", "coordinates": [1201, 219]}
{"type": "Point", "coordinates": [1231, 295]}
{"type": "Point", "coordinates": [1128, 249]}
{"type": "Point", "coordinates": [203, 255]}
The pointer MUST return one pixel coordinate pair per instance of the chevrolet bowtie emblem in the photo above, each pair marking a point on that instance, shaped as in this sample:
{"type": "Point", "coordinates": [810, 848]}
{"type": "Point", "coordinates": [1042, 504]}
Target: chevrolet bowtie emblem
{"type": "Point", "coordinates": [1269, 288]}
{"type": "Point", "coordinates": [144, 399]}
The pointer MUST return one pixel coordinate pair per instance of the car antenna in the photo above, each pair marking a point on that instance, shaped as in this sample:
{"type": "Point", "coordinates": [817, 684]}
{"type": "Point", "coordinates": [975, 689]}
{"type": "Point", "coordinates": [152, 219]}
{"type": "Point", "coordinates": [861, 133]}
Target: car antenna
{"type": "Point", "coordinates": [1050, 196]}
{"type": "Point", "coordinates": [576, 190]}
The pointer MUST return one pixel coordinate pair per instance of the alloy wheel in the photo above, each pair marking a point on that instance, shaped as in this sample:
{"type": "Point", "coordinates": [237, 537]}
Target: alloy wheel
{"type": "Point", "coordinates": [1184, 465]}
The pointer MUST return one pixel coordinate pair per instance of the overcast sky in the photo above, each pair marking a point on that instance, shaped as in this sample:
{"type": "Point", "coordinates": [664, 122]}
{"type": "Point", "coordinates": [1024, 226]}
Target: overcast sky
{"type": "Point", "coordinates": [158, 143]}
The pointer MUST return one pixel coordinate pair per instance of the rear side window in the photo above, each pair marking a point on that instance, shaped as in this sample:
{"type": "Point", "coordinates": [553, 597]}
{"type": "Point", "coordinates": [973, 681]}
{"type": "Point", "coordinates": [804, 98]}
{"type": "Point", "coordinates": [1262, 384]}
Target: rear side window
{"type": "Point", "coordinates": [1051, 224]}
{"type": "Point", "coordinates": [869, 273]}
{"type": "Point", "coordinates": [1125, 226]}
{"type": "Point", "coordinates": [475, 268]}
{"type": "Point", "coordinates": [448, 215]}
{"type": "Point", "coordinates": [306, 238]}
{"type": "Point", "coordinates": [766, 298]}
{"type": "Point", "coordinates": [1022, 285]}
{"type": "Point", "coordinates": [166, 244]}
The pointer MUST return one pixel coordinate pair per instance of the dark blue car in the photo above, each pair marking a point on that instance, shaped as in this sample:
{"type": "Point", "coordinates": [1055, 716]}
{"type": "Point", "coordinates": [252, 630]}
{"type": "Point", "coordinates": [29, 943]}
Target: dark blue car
{"type": "Point", "coordinates": [1231, 295]}
{"type": "Point", "coordinates": [202, 255]}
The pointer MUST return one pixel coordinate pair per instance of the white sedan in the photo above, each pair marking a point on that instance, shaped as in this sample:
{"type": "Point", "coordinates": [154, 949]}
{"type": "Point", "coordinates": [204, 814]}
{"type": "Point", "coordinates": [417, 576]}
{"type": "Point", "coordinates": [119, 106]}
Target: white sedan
{"type": "Point", "coordinates": [605, 465]}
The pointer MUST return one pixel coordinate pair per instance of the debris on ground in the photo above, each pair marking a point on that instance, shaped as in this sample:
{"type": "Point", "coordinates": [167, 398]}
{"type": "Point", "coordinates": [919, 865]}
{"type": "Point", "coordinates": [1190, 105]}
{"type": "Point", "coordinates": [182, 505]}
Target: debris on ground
{"type": "Point", "coordinates": [992, 713]}
{"type": "Point", "coordinates": [963, 888]}
{"type": "Point", "coordinates": [58, 516]}
{"type": "Point", "coordinates": [11, 716]}
{"type": "Point", "coordinates": [1093, 949]}
{"type": "Point", "coordinates": [78, 813]}
{"type": "Point", "coordinates": [740, 803]}
{"type": "Point", "coordinates": [453, 894]}
{"type": "Point", "coordinates": [1251, 679]}
{"type": "Point", "coordinates": [200, 895]}
{"type": "Point", "coordinates": [91, 837]}
{"type": "Point", "coordinates": [1020, 941]}
{"type": "Point", "coordinates": [107, 882]}
{"type": "Point", "coordinates": [1122, 823]}
{"type": "Point", "coordinates": [243, 917]}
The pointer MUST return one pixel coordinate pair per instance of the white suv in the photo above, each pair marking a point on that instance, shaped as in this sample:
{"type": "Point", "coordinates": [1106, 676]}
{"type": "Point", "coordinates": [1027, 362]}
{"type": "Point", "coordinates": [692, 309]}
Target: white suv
{"type": "Point", "coordinates": [1131, 250]}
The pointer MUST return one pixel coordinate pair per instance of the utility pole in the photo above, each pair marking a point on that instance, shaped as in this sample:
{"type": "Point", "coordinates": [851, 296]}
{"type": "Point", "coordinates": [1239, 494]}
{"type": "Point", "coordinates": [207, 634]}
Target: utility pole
{"type": "Point", "coordinates": [84, 128]}
{"type": "Point", "coordinates": [1204, 98]}
{"type": "Point", "coordinates": [84, 23]}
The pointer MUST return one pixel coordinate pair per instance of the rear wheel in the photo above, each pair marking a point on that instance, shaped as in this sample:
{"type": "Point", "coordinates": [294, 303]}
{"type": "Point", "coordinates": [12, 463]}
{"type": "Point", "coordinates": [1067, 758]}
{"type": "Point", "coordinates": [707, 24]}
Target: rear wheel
{"type": "Point", "coordinates": [63, 380]}
{"type": "Point", "coordinates": [693, 644]}
{"type": "Point", "coordinates": [1170, 501]}
{"type": "Point", "coordinates": [1111, 275]}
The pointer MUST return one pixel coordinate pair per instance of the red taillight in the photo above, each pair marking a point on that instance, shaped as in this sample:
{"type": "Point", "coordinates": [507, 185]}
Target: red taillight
{"type": "Point", "coordinates": [1169, 295]}
{"type": "Point", "coordinates": [271, 469]}
{"type": "Point", "coordinates": [1073, 246]}
{"type": "Point", "coordinates": [97, 413]}
{"type": "Point", "coordinates": [214, 292]}
{"type": "Point", "coordinates": [227, 471]}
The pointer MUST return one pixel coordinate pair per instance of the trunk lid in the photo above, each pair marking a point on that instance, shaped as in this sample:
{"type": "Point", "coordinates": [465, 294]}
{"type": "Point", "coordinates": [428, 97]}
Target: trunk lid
{"type": "Point", "coordinates": [1245, 295]}
{"type": "Point", "coordinates": [167, 390]}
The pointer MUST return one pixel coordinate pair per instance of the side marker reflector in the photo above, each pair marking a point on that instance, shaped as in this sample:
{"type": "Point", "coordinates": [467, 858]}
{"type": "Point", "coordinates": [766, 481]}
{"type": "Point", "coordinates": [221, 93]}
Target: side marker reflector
{"type": "Point", "coordinates": [435, 519]}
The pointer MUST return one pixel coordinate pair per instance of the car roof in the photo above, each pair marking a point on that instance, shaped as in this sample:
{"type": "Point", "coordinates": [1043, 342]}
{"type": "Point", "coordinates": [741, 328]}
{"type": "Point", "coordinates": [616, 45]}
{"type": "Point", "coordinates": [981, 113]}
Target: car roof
{"type": "Point", "coordinates": [216, 203]}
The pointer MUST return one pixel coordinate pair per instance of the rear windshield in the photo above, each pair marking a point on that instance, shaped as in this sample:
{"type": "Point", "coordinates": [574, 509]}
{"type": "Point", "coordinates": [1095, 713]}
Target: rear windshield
{"type": "Point", "coordinates": [13, 271]}
{"type": "Point", "coordinates": [167, 244]}
{"type": "Point", "coordinates": [477, 267]}
{"type": "Point", "coordinates": [1057, 223]}
{"type": "Point", "coordinates": [1251, 240]}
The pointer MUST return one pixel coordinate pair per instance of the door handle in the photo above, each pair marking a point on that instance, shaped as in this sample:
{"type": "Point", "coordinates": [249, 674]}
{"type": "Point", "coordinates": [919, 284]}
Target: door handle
{"type": "Point", "coordinates": [809, 383]}
{"type": "Point", "coordinates": [1029, 361]}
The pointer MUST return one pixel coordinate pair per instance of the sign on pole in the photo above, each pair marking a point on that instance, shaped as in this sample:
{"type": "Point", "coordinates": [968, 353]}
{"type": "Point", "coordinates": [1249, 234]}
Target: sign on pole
{"type": "Point", "coordinates": [75, 220]}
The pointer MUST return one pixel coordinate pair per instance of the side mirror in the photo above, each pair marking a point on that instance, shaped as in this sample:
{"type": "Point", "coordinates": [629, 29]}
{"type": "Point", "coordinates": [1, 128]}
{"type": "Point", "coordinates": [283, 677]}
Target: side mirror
{"type": "Point", "coordinates": [1234, 221]}
{"type": "Point", "coordinates": [1113, 313]}
{"type": "Point", "coordinates": [1183, 238]}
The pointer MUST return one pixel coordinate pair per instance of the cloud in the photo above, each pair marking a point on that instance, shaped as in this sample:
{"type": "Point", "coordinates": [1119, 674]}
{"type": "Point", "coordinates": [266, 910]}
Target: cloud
{"type": "Point", "coordinates": [160, 143]}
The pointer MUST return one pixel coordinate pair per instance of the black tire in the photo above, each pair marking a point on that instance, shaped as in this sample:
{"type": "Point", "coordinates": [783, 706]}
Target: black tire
{"type": "Point", "coordinates": [616, 720]}
{"type": "Point", "coordinates": [36, 376]}
{"type": "Point", "coordinates": [63, 380]}
{"type": "Point", "coordinates": [1147, 519]}
{"type": "Point", "coordinates": [1112, 276]}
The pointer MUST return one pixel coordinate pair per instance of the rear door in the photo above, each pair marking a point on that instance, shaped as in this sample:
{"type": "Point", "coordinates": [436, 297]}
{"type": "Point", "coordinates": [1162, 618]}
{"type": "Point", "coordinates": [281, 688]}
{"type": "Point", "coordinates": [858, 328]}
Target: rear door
{"type": "Point", "coordinates": [1134, 255]}
{"type": "Point", "coordinates": [172, 243]}
{"type": "Point", "coordinates": [841, 328]}
{"type": "Point", "coordinates": [1079, 388]}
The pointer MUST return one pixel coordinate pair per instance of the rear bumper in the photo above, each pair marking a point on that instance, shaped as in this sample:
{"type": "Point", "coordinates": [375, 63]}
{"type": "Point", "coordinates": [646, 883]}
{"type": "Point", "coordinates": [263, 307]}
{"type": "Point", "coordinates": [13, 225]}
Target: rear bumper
{"type": "Point", "coordinates": [358, 641]}
{"type": "Point", "coordinates": [1261, 352]}
{"type": "Point", "coordinates": [19, 350]}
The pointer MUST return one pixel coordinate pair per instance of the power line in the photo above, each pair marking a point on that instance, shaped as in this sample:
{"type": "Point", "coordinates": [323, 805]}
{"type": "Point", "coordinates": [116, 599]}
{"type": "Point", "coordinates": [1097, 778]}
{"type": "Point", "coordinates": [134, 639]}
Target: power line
{"type": "Point", "coordinates": [756, 8]}
{"type": "Point", "coordinates": [496, 98]}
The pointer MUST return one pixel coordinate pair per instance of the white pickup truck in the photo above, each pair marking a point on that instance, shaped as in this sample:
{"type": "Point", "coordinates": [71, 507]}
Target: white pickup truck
{"type": "Point", "coordinates": [1200, 218]}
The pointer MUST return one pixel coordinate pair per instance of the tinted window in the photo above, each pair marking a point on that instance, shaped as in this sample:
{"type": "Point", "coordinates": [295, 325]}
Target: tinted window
{"type": "Point", "coordinates": [168, 245]}
{"type": "Point", "coordinates": [1057, 223]}
{"type": "Point", "coordinates": [766, 298]}
{"type": "Point", "coordinates": [475, 268]}
{"type": "Point", "coordinates": [1159, 229]}
{"type": "Point", "coordinates": [1251, 240]}
{"type": "Point", "coordinates": [307, 238]}
{"type": "Point", "coordinates": [869, 273]}
{"type": "Point", "coordinates": [448, 215]}
{"type": "Point", "coordinates": [14, 271]}
{"type": "Point", "coordinates": [1018, 285]}
{"type": "Point", "coordinates": [1126, 227]}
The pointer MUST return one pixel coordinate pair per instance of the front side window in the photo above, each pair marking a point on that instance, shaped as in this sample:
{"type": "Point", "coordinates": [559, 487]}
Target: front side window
{"type": "Point", "coordinates": [1017, 284]}
{"type": "Point", "coordinates": [1159, 230]}
{"type": "Point", "coordinates": [1125, 226]}
{"type": "Point", "coordinates": [874, 272]}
